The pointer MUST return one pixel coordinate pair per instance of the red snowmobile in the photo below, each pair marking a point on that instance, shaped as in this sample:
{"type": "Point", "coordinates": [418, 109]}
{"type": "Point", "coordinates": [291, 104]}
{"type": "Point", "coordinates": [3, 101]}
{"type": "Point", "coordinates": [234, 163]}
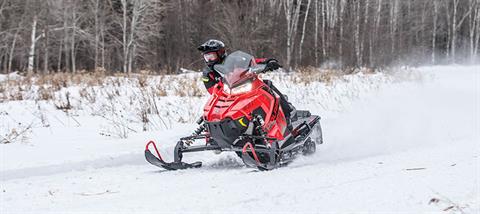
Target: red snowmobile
{"type": "Point", "coordinates": [243, 115]}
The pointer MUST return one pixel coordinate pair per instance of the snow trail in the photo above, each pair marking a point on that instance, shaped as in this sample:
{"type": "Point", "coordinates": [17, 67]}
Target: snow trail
{"type": "Point", "coordinates": [442, 109]}
{"type": "Point", "coordinates": [395, 150]}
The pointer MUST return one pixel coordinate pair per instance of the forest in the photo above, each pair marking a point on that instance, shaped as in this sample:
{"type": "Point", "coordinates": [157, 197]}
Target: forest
{"type": "Point", "coordinates": [161, 36]}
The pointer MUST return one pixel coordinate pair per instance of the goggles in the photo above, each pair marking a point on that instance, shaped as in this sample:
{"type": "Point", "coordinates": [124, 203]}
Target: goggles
{"type": "Point", "coordinates": [210, 57]}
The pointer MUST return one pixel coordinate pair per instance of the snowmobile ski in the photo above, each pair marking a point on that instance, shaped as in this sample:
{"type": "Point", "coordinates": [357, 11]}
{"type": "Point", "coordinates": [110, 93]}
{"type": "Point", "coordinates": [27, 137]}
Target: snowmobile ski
{"type": "Point", "coordinates": [158, 161]}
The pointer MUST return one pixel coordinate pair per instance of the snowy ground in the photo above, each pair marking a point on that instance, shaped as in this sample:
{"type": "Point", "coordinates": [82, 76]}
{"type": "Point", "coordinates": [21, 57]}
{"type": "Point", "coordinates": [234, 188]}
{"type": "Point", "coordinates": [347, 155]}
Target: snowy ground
{"type": "Point", "coordinates": [393, 144]}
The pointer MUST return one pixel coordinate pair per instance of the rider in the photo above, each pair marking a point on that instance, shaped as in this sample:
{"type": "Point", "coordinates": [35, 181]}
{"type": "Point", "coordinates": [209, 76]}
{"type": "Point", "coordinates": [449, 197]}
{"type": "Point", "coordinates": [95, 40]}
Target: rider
{"type": "Point", "coordinates": [214, 52]}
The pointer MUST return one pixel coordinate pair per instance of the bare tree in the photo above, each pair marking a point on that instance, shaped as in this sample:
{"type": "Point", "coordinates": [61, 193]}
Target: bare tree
{"type": "Point", "coordinates": [316, 32]}
{"type": "Point", "coordinates": [292, 13]}
{"type": "Point", "coordinates": [474, 18]}
{"type": "Point", "coordinates": [303, 30]}
{"type": "Point", "coordinates": [374, 35]}
{"type": "Point", "coordinates": [95, 4]}
{"type": "Point", "coordinates": [33, 36]}
{"type": "Point", "coordinates": [434, 31]}
{"type": "Point", "coordinates": [130, 25]}
{"type": "Point", "coordinates": [393, 23]}
{"type": "Point", "coordinates": [160, 35]}
{"type": "Point", "coordinates": [358, 50]}
{"type": "Point", "coordinates": [477, 36]}
{"type": "Point", "coordinates": [46, 46]}
{"type": "Point", "coordinates": [324, 26]}
{"type": "Point", "coordinates": [457, 23]}
{"type": "Point", "coordinates": [72, 37]}
{"type": "Point", "coordinates": [340, 45]}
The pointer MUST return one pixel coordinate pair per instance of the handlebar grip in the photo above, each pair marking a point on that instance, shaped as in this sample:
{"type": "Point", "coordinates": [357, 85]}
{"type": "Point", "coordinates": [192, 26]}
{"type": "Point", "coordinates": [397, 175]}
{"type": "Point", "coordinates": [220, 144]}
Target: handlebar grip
{"type": "Point", "coordinates": [259, 69]}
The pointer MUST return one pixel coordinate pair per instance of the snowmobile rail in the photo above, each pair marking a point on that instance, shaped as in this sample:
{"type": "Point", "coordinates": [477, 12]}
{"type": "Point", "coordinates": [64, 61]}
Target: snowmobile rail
{"type": "Point", "coordinates": [200, 148]}
{"type": "Point", "coordinates": [256, 137]}
{"type": "Point", "coordinates": [194, 137]}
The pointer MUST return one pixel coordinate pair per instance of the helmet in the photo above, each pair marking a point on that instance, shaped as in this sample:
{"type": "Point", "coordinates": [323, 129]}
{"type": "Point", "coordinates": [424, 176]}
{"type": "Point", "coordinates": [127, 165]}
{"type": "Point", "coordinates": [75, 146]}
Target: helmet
{"type": "Point", "coordinates": [213, 51]}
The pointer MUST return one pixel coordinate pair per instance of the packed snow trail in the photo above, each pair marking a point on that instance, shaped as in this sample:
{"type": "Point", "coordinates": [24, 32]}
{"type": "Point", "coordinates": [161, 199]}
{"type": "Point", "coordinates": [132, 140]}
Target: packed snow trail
{"type": "Point", "coordinates": [410, 147]}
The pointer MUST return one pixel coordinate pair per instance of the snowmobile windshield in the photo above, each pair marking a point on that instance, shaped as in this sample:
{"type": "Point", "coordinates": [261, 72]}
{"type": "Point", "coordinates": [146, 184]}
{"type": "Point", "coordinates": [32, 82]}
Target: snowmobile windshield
{"type": "Point", "coordinates": [236, 68]}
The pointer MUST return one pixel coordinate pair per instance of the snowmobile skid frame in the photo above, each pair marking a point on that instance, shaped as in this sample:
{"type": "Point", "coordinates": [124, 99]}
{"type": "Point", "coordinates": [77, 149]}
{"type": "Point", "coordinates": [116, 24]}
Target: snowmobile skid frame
{"type": "Point", "coordinates": [263, 156]}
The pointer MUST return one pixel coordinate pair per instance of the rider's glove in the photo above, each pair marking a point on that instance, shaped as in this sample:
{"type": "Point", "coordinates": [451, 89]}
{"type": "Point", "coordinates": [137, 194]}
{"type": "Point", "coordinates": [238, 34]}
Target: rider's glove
{"type": "Point", "coordinates": [272, 64]}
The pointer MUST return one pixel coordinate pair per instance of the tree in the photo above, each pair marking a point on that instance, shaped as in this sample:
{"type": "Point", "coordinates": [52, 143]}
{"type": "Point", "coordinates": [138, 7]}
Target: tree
{"type": "Point", "coordinates": [161, 35]}
{"type": "Point", "coordinates": [292, 14]}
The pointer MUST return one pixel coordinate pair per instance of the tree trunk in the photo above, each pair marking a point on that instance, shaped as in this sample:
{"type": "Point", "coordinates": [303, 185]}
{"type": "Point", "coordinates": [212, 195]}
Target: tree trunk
{"type": "Point", "coordinates": [454, 31]}
{"type": "Point", "coordinates": [340, 46]}
{"type": "Point", "coordinates": [291, 14]}
{"type": "Point", "coordinates": [124, 30]}
{"type": "Point", "coordinates": [422, 32]}
{"type": "Point", "coordinates": [393, 25]}
{"type": "Point", "coordinates": [316, 33]}
{"type": "Point", "coordinates": [324, 52]}
{"type": "Point", "coordinates": [364, 35]}
{"type": "Point", "coordinates": [102, 36]}
{"type": "Point", "coordinates": [97, 36]}
{"type": "Point", "coordinates": [131, 38]}
{"type": "Point", "coordinates": [471, 31]}
{"type": "Point", "coordinates": [72, 44]}
{"type": "Point", "coordinates": [46, 47]}
{"type": "Point", "coordinates": [373, 37]}
{"type": "Point", "coordinates": [103, 45]}
{"type": "Point", "coordinates": [31, 53]}
{"type": "Point", "coordinates": [457, 23]}
{"type": "Point", "coordinates": [59, 62]}
{"type": "Point", "coordinates": [12, 52]}
{"type": "Point", "coordinates": [434, 31]}
{"type": "Point", "coordinates": [448, 29]}
{"type": "Point", "coordinates": [65, 37]}
{"type": "Point", "coordinates": [477, 37]}
{"type": "Point", "coordinates": [303, 31]}
{"type": "Point", "coordinates": [357, 34]}
{"type": "Point", "coordinates": [3, 62]}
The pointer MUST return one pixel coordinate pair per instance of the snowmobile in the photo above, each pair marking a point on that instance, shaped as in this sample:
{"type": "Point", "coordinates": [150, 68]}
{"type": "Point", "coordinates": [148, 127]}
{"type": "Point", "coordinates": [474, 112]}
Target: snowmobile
{"type": "Point", "coordinates": [243, 115]}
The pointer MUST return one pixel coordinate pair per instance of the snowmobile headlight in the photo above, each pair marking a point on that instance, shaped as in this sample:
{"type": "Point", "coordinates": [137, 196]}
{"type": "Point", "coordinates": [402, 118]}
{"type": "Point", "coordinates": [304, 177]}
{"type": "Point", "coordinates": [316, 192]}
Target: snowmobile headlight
{"type": "Point", "coordinates": [243, 88]}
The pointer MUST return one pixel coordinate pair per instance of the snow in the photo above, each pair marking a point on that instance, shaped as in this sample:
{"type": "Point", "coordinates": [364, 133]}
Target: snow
{"type": "Point", "coordinates": [10, 76]}
{"type": "Point", "coordinates": [402, 142]}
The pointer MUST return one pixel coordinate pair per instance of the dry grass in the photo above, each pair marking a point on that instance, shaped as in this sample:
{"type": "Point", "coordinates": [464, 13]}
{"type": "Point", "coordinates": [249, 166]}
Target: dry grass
{"type": "Point", "coordinates": [142, 81]}
{"type": "Point", "coordinates": [44, 87]}
{"type": "Point", "coordinates": [126, 100]}
{"type": "Point", "coordinates": [63, 104]}
{"type": "Point", "coordinates": [307, 75]}
{"type": "Point", "coordinates": [45, 93]}
{"type": "Point", "coordinates": [62, 80]}
{"type": "Point", "coordinates": [159, 91]}
{"type": "Point", "coordinates": [47, 85]}
{"type": "Point", "coordinates": [88, 94]}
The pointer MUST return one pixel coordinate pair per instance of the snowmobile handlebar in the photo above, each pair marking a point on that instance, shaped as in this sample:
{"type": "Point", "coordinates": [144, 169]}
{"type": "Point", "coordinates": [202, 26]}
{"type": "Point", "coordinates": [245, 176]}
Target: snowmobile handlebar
{"type": "Point", "coordinates": [259, 69]}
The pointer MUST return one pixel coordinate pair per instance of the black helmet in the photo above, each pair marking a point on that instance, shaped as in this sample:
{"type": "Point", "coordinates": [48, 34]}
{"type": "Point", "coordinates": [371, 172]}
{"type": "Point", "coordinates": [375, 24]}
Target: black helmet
{"type": "Point", "coordinates": [213, 51]}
